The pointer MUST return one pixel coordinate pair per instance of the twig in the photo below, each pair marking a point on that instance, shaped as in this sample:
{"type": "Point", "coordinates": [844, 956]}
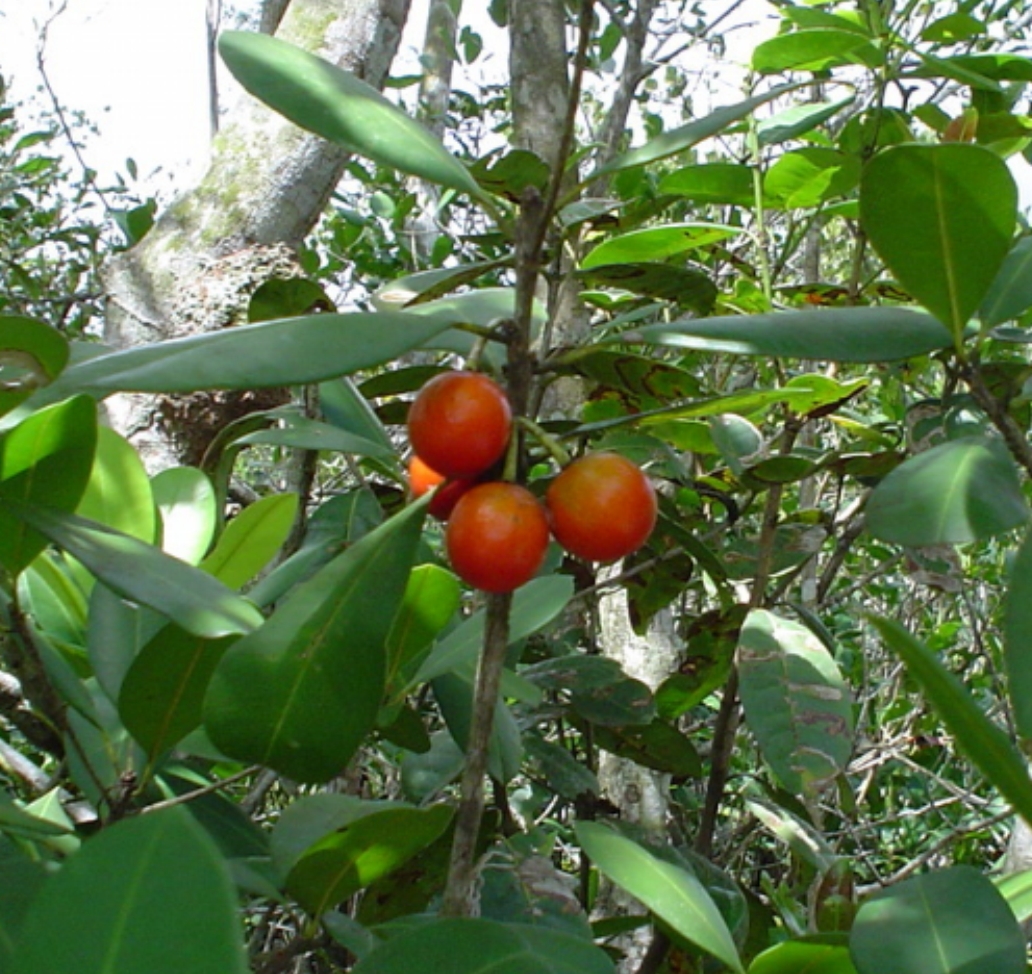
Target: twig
{"type": "Point", "coordinates": [200, 792]}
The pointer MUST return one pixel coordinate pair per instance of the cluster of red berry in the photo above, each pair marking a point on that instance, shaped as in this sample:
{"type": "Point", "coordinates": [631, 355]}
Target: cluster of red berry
{"type": "Point", "coordinates": [601, 507]}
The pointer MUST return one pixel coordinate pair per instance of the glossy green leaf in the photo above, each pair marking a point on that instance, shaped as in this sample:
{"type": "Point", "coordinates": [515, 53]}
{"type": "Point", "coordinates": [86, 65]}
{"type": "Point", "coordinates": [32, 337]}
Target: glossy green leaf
{"type": "Point", "coordinates": [302, 433]}
{"type": "Point", "coordinates": [339, 865]}
{"type": "Point", "coordinates": [656, 745]}
{"type": "Point", "coordinates": [119, 493]}
{"type": "Point", "coordinates": [32, 354]}
{"type": "Point", "coordinates": [477, 946]}
{"type": "Point", "coordinates": [950, 921]}
{"type": "Point", "coordinates": [686, 136]}
{"type": "Point", "coordinates": [798, 120]}
{"type": "Point", "coordinates": [657, 243]}
{"type": "Point", "coordinates": [300, 694]}
{"type": "Point", "coordinates": [432, 598]}
{"type": "Point", "coordinates": [252, 539]}
{"type": "Point", "coordinates": [941, 217]}
{"type": "Point", "coordinates": [141, 573]}
{"type": "Point", "coordinates": [344, 406]}
{"type": "Point", "coordinates": [287, 297]}
{"type": "Point", "coordinates": [962, 490]}
{"type": "Point", "coordinates": [795, 700]}
{"type": "Point", "coordinates": [803, 957]}
{"type": "Point", "coordinates": [150, 893]}
{"type": "Point", "coordinates": [45, 460]}
{"type": "Point", "coordinates": [553, 763]}
{"type": "Point", "coordinates": [715, 182]}
{"type": "Point", "coordinates": [1016, 889]}
{"type": "Point", "coordinates": [688, 287]}
{"type": "Point", "coordinates": [1017, 638]}
{"type": "Point", "coordinates": [988, 747]}
{"type": "Point", "coordinates": [117, 631]}
{"type": "Point", "coordinates": [814, 49]}
{"type": "Point", "coordinates": [162, 694]}
{"type": "Point", "coordinates": [186, 500]}
{"type": "Point", "coordinates": [338, 106]}
{"type": "Point", "coordinates": [293, 351]}
{"type": "Point", "coordinates": [809, 177]}
{"type": "Point", "coordinates": [1010, 294]}
{"type": "Point", "coordinates": [673, 894]}
{"type": "Point", "coordinates": [881, 334]}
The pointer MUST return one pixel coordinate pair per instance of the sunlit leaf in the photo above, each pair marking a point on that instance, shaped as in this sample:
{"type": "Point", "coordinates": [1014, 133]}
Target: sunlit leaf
{"type": "Point", "coordinates": [252, 539]}
{"type": "Point", "coordinates": [814, 49]}
{"type": "Point", "coordinates": [186, 499]}
{"type": "Point", "coordinates": [656, 243]}
{"type": "Point", "coordinates": [119, 492]}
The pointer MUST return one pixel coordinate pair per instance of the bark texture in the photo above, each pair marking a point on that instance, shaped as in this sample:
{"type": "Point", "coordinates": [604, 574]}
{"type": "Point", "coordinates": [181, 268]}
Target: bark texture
{"type": "Point", "coordinates": [265, 188]}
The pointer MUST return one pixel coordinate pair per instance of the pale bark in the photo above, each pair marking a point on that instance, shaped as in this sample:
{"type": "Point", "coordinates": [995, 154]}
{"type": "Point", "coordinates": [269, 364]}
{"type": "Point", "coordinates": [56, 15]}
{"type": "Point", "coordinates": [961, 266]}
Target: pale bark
{"type": "Point", "coordinates": [266, 186]}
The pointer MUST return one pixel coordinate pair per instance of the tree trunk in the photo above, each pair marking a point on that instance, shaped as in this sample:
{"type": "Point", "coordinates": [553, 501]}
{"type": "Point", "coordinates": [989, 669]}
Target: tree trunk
{"type": "Point", "coordinates": [267, 184]}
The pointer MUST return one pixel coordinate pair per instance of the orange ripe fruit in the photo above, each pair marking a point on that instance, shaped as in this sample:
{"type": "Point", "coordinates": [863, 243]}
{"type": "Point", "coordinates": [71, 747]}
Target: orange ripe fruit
{"type": "Point", "coordinates": [497, 536]}
{"type": "Point", "coordinates": [459, 423]}
{"type": "Point", "coordinates": [602, 507]}
{"type": "Point", "coordinates": [422, 477]}
{"type": "Point", "coordinates": [446, 492]}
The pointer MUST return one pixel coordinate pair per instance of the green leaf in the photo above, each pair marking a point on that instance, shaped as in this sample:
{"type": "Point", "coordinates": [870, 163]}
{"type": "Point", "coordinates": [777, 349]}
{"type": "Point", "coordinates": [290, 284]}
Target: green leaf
{"type": "Point", "coordinates": [476, 946]}
{"type": "Point", "coordinates": [951, 921]}
{"type": "Point", "coordinates": [988, 747]}
{"type": "Point", "coordinates": [1010, 294]}
{"type": "Point", "coordinates": [338, 106]}
{"type": "Point", "coordinates": [294, 351]}
{"type": "Point", "coordinates": [252, 539]}
{"type": "Point", "coordinates": [45, 460]}
{"type": "Point", "coordinates": [941, 217]}
{"type": "Point", "coordinates": [1017, 638]}
{"type": "Point", "coordinates": [959, 491]}
{"type": "Point", "coordinates": [673, 894]}
{"type": "Point", "coordinates": [339, 865]}
{"type": "Point", "coordinates": [803, 957]}
{"type": "Point", "coordinates": [809, 177]}
{"type": "Point", "coordinates": [32, 355]}
{"type": "Point", "coordinates": [680, 139]}
{"type": "Point", "coordinates": [142, 573]}
{"type": "Point", "coordinates": [795, 701]}
{"type": "Point", "coordinates": [798, 120]}
{"type": "Point", "coordinates": [1016, 889]}
{"type": "Point", "coordinates": [119, 493]}
{"type": "Point", "coordinates": [300, 694]}
{"type": "Point", "coordinates": [814, 50]}
{"type": "Point", "coordinates": [162, 694]}
{"type": "Point", "coordinates": [656, 243]}
{"type": "Point", "coordinates": [150, 893]}
{"type": "Point", "coordinates": [302, 433]}
{"type": "Point", "coordinates": [186, 500]}
{"type": "Point", "coordinates": [715, 182]}
{"type": "Point", "coordinates": [883, 334]}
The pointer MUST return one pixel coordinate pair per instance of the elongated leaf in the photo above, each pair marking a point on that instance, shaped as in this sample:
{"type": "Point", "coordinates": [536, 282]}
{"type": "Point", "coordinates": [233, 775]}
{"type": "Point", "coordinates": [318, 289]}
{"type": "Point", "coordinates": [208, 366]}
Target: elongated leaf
{"type": "Point", "coordinates": [162, 694]}
{"type": "Point", "coordinates": [477, 946]}
{"type": "Point", "coordinates": [941, 217]}
{"type": "Point", "coordinates": [883, 334]}
{"type": "Point", "coordinates": [952, 921]}
{"type": "Point", "coordinates": [814, 50]}
{"type": "Point", "coordinates": [1017, 638]}
{"type": "Point", "coordinates": [1011, 292]}
{"type": "Point", "coordinates": [141, 573]}
{"type": "Point", "coordinates": [672, 893]}
{"type": "Point", "coordinates": [338, 106]}
{"type": "Point", "coordinates": [301, 693]}
{"type": "Point", "coordinates": [656, 243]}
{"type": "Point", "coordinates": [375, 845]}
{"type": "Point", "coordinates": [294, 351]}
{"type": "Point", "coordinates": [803, 957]}
{"type": "Point", "coordinates": [119, 493]}
{"type": "Point", "coordinates": [44, 460]}
{"type": "Point", "coordinates": [978, 737]}
{"type": "Point", "coordinates": [679, 139]}
{"type": "Point", "coordinates": [959, 491]}
{"type": "Point", "coordinates": [798, 120]}
{"type": "Point", "coordinates": [715, 182]}
{"type": "Point", "coordinates": [32, 354]}
{"type": "Point", "coordinates": [252, 539]}
{"type": "Point", "coordinates": [309, 434]}
{"type": "Point", "coordinates": [150, 893]}
{"type": "Point", "coordinates": [795, 701]}
{"type": "Point", "coordinates": [1016, 889]}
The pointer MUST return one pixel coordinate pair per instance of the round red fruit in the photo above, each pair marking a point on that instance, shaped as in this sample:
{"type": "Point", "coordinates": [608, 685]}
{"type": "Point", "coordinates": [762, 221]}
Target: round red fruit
{"type": "Point", "coordinates": [602, 507]}
{"type": "Point", "coordinates": [459, 423]}
{"type": "Point", "coordinates": [422, 477]}
{"type": "Point", "coordinates": [497, 536]}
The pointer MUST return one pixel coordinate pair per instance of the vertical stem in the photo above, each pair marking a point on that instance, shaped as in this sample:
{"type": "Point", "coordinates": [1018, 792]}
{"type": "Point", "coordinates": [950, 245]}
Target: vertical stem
{"type": "Point", "coordinates": [459, 893]}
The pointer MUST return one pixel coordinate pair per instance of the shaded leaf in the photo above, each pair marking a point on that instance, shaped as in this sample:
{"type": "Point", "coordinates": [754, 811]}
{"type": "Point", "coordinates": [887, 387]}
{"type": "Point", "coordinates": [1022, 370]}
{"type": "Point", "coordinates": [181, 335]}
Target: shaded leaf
{"type": "Point", "coordinates": [300, 694]}
{"type": "Point", "coordinates": [32, 354]}
{"type": "Point", "coordinates": [673, 894]}
{"type": "Point", "coordinates": [950, 921]}
{"type": "Point", "coordinates": [882, 334]}
{"type": "Point", "coordinates": [715, 183]}
{"type": "Point", "coordinates": [962, 490]}
{"type": "Point", "coordinates": [1017, 638]}
{"type": "Point", "coordinates": [803, 957]}
{"type": "Point", "coordinates": [1010, 294]}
